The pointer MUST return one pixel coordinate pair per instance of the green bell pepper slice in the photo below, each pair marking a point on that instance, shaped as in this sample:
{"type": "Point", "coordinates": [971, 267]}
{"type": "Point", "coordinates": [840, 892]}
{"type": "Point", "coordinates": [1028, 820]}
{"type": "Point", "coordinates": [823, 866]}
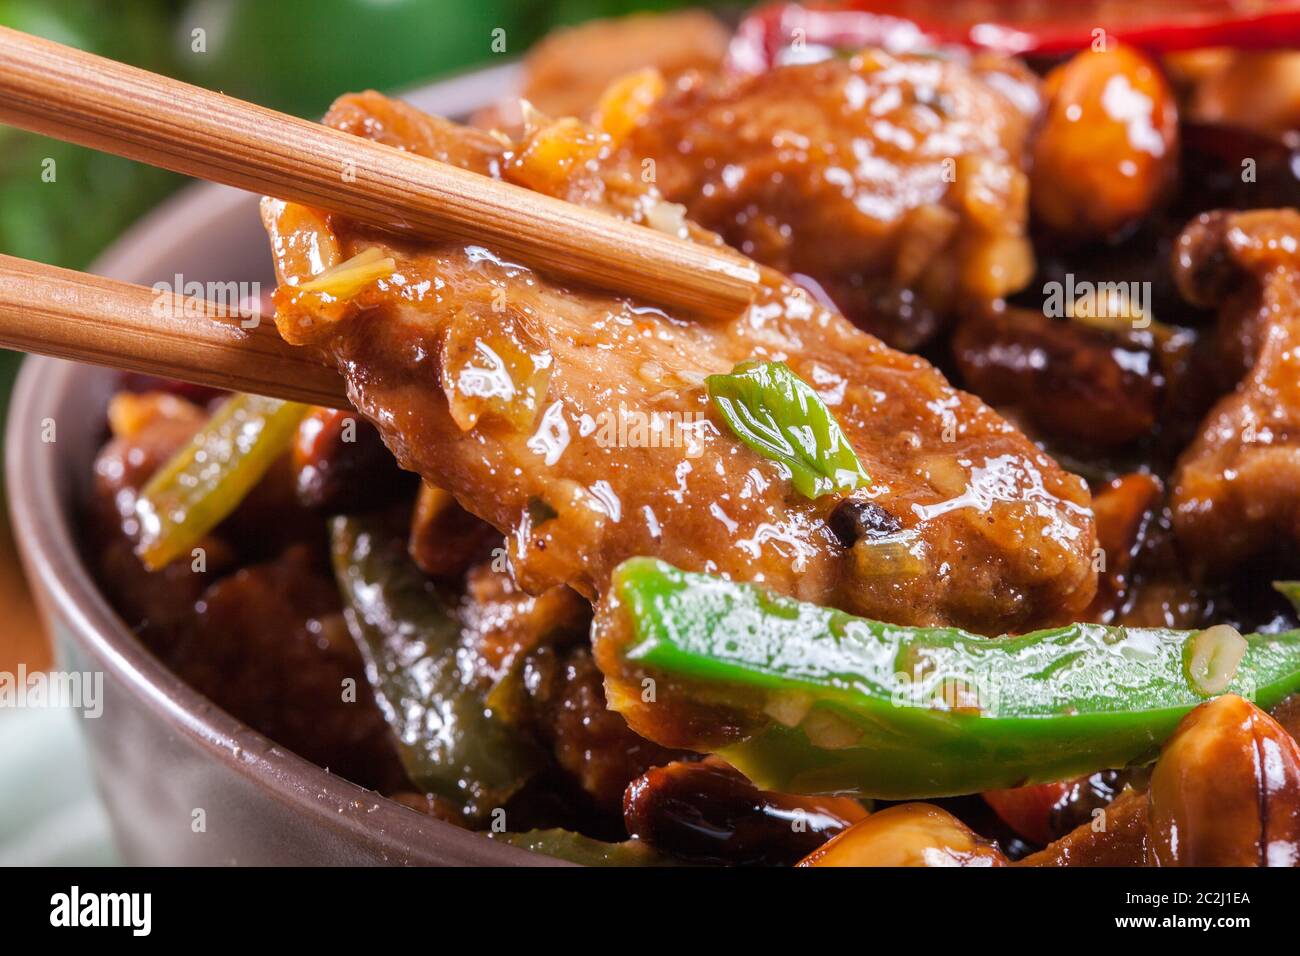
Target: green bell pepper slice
{"type": "Point", "coordinates": [449, 740]}
{"type": "Point", "coordinates": [779, 415]}
{"type": "Point", "coordinates": [207, 479]}
{"type": "Point", "coordinates": [809, 699]}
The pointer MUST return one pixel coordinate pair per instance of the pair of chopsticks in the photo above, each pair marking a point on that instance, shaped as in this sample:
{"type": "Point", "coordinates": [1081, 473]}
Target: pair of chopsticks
{"type": "Point", "coordinates": [74, 96]}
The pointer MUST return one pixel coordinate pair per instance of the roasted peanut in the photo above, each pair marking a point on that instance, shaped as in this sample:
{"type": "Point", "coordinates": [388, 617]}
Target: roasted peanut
{"type": "Point", "coordinates": [1226, 790]}
{"type": "Point", "coordinates": [912, 834]}
{"type": "Point", "coordinates": [1107, 149]}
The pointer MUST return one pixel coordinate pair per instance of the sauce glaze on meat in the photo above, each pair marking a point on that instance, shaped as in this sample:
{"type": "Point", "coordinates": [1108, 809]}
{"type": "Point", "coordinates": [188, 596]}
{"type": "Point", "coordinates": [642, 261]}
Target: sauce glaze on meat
{"type": "Point", "coordinates": [494, 382]}
{"type": "Point", "coordinates": [894, 183]}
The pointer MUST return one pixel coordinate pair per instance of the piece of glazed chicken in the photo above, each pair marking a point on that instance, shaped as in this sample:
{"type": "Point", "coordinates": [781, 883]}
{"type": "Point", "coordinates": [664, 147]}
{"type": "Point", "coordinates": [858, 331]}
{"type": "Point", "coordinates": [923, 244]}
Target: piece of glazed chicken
{"type": "Point", "coordinates": [895, 185]}
{"type": "Point", "coordinates": [493, 382]}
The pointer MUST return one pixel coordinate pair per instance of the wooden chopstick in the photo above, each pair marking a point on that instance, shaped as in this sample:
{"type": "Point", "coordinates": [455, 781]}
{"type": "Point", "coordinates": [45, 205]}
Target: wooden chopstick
{"type": "Point", "coordinates": [86, 318]}
{"type": "Point", "coordinates": [53, 89]}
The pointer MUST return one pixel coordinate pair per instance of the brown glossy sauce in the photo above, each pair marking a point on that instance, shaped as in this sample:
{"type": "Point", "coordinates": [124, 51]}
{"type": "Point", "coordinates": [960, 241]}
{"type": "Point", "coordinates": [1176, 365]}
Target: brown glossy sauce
{"type": "Point", "coordinates": [894, 183]}
{"type": "Point", "coordinates": [494, 383]}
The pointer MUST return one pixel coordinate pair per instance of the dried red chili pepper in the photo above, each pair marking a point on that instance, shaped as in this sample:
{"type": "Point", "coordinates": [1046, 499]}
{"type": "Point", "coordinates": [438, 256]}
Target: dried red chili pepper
{"type": "Point", "coordinates": [788, 32]}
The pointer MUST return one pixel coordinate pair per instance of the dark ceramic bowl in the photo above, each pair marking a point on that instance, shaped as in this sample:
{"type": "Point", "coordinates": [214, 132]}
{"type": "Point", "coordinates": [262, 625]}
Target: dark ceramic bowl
{"type": "Point", "coordinates": [160, 750]}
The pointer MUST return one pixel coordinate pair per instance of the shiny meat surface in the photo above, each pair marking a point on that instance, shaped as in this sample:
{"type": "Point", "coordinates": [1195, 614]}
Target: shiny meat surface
{"type": "Point", "coordinates": [506, 624]}
{"type": "Point", "coordinates": [530, 651]}
{"type": "Point", "coordinates": [895, 184]}
{"type": "Point", "coordinates": [1123, 842]}
{"type": "Point", "coordinates": [1235, 489]}
{"type": "Point", "coordinates": [706, 811]}
{"type": "Point", "coordinates": [591, 742]}
{"type": "Point", "coordinates": [268, 644]}
{"type": "Point", "coordinates": [1083, 384]}
{"type": "Point", "coordinates": [522, 398]}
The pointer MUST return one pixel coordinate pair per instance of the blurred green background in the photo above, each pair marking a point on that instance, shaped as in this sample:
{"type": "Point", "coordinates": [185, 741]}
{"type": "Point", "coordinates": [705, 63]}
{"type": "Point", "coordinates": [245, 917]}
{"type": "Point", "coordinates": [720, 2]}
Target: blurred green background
{"type": "Point", "coordinates": [294, 55]}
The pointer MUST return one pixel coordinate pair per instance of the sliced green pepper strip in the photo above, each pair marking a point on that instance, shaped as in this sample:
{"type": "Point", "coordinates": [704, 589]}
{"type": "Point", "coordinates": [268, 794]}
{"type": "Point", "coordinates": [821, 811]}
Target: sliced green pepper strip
{"type": "Point", "coordinates": [576, 848]}
{"type": "Point", "coordinates": [780, 416]}
{"type": "Point", "coordinates": [834, 703]}
{"type": "Point", "coordinates": [449, 740]}
{"type": "Point", "coordinates": [207, 479]}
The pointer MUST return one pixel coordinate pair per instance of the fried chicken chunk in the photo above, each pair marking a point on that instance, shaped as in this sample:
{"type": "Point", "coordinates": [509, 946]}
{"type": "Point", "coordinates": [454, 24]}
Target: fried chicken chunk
{"type": "Point", "coordinates": [578, 423]}
{"type": "Point", "coordinates": [894, 183]}
{"type": "Point", "coordinates": [1235, 488]}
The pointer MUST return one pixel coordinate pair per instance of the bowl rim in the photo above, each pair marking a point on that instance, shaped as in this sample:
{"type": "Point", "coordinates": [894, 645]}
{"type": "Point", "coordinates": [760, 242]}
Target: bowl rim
{"type": "Point", "coordinates": [66, 590]}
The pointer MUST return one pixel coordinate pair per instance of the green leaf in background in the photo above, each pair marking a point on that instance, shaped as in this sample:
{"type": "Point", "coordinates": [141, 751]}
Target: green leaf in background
{"type": "Point", "coordinates": [63, 204]}
{"type": "Point", "coordinates": [569, 12]}
{"type": "Point", "coordinates": [298, 55]}
{"type": "Point", "coordinates": [8, 371]}
{"type": "Point", "coordinates": [780, 416]}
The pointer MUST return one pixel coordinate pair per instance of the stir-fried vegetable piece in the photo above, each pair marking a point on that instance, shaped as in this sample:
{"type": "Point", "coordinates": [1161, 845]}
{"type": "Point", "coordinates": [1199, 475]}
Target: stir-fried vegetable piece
{"type": "Point", "coordinates": [450, 741]}
{"type": "Point", "coordinates": [1029, 811]}
{"type": "Point", "coordinates": [786, 32]}
{"type": "Point", "coordinates": [1289, 590]}
{"type": "Point", "coordinates": [1211, 658]}
{"type": "Point", "coordinates": [1044, 812]}
{"type": "Point", "coordinates": [576, 848]}
{"type": "Point", "coordinates": [808, 699]}
{"type": "Point", "coordinates": [780, 416]}
{"type": "Point", "coordinates": [209, 477]}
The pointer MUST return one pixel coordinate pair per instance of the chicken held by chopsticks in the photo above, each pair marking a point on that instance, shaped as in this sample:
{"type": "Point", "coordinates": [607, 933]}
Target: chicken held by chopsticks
{"type": "Point", "coordinates": [579, 423]}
